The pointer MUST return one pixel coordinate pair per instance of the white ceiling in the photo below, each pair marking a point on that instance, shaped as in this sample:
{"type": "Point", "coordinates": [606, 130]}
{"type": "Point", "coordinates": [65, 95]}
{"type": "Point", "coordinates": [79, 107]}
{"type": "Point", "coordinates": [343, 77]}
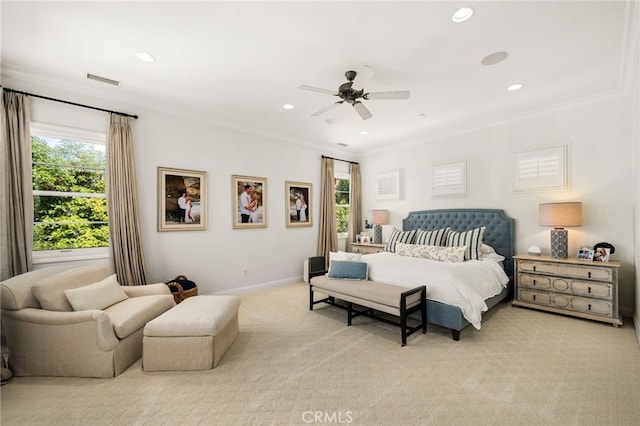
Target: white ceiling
{"type": "Point", "coordinates": [236, 63]}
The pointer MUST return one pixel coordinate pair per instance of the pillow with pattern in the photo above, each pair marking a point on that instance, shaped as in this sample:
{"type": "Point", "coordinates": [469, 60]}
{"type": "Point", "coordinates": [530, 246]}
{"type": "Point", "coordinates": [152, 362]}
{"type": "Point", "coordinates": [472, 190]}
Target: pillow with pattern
{"type": "Point", "coordinates": [439, 253]}
{"type": "Point", "coordinates": [437, 237]}
{"type": "Point", "coordinates": [398, 236]}
{"type": "Point", "coordinates": [471, 239]}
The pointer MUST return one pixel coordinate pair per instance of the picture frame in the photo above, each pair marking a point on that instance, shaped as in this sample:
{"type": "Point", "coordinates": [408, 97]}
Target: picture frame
{"type": "Point", "coordinates": [387, 185]}
{"type": "Point", "coordinates": [585, 254]}
{"type": "Point", "coordinates": [601, 254]}
{"type": "Point", "coordinates": [248, 202]}
{"type": "Point", "coordinates": [298, 204]}
{"type": "Point", "coordinates": [182, 200]}
{"type": "Point", "coordinates": [365, 239]}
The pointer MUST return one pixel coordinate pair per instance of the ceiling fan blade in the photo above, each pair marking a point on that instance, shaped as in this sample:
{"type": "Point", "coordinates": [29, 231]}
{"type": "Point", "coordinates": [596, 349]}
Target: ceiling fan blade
{"type": "Point", "coordinates": [365, 114]}
{"type": "Point", "coordinates": [325, 109]}
{"type": "Point", "coordinates": [403, 94]}
{"type": "Point", "coordinates": [318, 89]}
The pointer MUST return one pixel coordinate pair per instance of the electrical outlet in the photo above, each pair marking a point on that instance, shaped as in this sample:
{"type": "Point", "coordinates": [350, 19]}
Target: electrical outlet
{"type": "Point", "coordinates": [245, 272]}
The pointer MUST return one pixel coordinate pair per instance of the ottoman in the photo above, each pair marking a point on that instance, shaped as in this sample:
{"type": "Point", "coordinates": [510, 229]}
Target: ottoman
{"type": "Point", "coordinates": [193, 335]}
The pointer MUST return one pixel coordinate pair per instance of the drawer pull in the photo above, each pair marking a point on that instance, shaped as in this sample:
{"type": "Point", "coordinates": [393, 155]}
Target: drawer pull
{"type": "Point", "coordinates": [589, 290]}
{"type": "Point", "coordinates": [589, 274]}
{"type": "Point", "coordinates": [534, 282]}
{"type": "Point", "coordinates": [534, 297]}
{"type": "Point", "coordinates": [534, 268]}
{"type": "Point", "coordinates": [589, 306]}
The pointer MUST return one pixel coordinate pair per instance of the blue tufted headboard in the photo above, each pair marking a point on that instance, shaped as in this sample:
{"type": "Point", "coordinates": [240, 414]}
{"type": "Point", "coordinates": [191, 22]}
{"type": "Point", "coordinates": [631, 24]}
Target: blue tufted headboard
{"type": "Point", "coordinates": [499, 232]}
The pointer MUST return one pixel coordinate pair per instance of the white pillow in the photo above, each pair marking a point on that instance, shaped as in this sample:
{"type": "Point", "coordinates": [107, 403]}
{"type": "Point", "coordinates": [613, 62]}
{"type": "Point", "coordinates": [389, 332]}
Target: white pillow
{"type": "Point", "coordinates": [489, 252]}
{"type": "Point", "coordinates": [343, 255]}
{"type": "Point", "coordinates": [97, 295]}
{"type": "Point", "coordinates": [438, 253]}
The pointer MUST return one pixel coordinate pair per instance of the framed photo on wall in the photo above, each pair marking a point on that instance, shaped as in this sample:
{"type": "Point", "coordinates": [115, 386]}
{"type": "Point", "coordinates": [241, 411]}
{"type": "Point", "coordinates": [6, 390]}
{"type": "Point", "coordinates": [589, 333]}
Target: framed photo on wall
{"type": "Point", "coordinates": [182, 204]}
{"type": "Point", "coordinates": [298, 204]}
{"type": "Point", "coordinates": [249, 202]}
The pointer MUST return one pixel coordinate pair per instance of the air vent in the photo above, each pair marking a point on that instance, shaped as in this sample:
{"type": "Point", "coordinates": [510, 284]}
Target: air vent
{"type": "Point", "coordinates": [342, 144]}
{"type": "Point", "coordinates": [103, 79]}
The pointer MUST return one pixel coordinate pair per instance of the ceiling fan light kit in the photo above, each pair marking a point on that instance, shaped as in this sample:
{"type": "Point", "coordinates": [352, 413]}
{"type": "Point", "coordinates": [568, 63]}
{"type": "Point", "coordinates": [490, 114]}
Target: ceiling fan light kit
{"type": "Point", "coordinates": [348, 94]}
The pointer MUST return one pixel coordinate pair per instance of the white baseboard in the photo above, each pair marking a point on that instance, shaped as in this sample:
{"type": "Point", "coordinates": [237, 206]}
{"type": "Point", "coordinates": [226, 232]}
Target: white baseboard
{"type": "Point", "coordinates": [257, 287]}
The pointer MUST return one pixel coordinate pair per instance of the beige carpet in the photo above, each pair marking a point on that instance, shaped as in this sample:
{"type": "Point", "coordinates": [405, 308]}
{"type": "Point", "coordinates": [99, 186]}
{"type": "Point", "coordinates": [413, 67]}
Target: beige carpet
{"type": "Point", "coordinates": [293, 366]}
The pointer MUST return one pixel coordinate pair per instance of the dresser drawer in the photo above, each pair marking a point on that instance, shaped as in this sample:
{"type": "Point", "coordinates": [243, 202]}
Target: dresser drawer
{"type": "Point", "coordinates": [534, 281]}
{"type": "Point", "coordinates": [566, 270]}
{"type": "Point", "coordinates": [534, 297]}
{"type": "Point", "coordinates": [600, 290]}
{"type": "Point", "coordinates": [592, 306]}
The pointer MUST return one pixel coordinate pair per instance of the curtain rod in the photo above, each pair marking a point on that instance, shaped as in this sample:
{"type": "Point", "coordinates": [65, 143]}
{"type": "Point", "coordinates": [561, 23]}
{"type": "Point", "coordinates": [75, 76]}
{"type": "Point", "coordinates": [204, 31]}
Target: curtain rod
{"type": "Point", "coordinates": [337, 159]}
{"type": "Point", "coordinates": [135, 117]}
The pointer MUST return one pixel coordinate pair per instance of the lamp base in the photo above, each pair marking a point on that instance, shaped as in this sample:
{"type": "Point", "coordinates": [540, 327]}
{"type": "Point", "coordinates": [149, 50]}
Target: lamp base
{"type": "Point", "coordinates": [377, 234]}
{"type": "Point", "coordinates": [559, 243]}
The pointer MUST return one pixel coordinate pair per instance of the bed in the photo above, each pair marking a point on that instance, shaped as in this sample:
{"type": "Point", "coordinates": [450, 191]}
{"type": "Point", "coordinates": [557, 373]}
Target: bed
{"type": "Point", "coordinates": [499, 234]}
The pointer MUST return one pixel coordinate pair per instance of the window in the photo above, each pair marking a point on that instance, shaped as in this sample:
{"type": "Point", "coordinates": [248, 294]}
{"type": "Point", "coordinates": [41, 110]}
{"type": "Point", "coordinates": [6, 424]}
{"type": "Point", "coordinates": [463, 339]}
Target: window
{"type": "Point", "coordinates": [70, 206]}
{"type": "Point", "coordinates": [343, 191]}
{"type": "Point", "coordinates": [543, 168]}
{"type": "Point", "coordinates": [449, 179]}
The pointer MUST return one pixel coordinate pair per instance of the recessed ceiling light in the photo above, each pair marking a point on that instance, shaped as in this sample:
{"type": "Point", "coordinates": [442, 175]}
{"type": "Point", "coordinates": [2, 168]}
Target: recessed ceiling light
{"type": "Point", "coordinates": [287, 106]}
{"type": "Point", "coordinates": [462, 14]}
{"type": "Point", "coordinates": [364, 132]}
{"type": "Point", "coordinates": [145, 57]}
{"type": "Point", "coordinates": [514, 87]}
{"type": "Point", "coordinates": [494, 58]}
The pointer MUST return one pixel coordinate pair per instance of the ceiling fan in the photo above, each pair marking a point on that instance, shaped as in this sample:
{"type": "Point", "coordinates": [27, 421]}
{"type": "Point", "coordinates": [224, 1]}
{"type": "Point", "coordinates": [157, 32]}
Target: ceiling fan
{"type": "Point", "coordinates": [352, 96]}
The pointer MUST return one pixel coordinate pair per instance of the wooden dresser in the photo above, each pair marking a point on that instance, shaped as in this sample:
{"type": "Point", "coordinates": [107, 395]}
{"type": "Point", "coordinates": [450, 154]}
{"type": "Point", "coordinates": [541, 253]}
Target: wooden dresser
{"type": "Point", "coordinates": [573, 287]}
{"type": "Point", "coordinates": [367, 248]}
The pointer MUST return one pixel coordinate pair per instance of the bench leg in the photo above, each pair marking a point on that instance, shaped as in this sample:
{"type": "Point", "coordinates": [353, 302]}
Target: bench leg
{"type": "Point", "coordinates": [349, 313]}
{"type": "Point", "coordinates": [310, 297]}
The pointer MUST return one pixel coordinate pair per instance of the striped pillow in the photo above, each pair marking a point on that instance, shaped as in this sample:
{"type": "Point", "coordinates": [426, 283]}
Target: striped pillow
{"type": "Point", "coordinates": [471, 239]}
{"type": "Point", "coordinates": [398, 236]}
{"type": "Point", "coordinates": [433, 238]}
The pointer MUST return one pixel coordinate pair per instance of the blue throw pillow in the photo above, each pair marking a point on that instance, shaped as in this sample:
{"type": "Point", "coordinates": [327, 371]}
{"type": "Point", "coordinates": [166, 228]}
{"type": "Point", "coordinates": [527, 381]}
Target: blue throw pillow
{"type": "Point", "coordinates": [343, 269]}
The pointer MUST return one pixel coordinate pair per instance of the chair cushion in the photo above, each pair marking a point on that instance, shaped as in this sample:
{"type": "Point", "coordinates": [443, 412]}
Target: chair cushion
{"type": "Point", "coordinates": [133, 313]}
{"type": "Point", "coordinates": [97, 295]}
{"type": "Point", "coordinates": [50, 291]}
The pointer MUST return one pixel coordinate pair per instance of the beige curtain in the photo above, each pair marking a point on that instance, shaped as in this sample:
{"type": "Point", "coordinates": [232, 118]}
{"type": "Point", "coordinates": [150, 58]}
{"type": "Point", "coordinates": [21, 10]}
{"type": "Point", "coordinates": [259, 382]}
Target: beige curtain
{"type": "Point", "coordinates": [355, 204]}
{"type": "Point", "coordinates": [328, 230]}
{"type": "Point", "coordinates": [122, 204]}
{"type": "Point", "coordinates": [16, 193]}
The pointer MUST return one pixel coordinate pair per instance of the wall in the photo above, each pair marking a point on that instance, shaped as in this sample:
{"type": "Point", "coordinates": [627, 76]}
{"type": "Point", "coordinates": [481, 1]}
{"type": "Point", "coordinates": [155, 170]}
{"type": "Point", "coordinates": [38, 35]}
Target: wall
{"type": "Point", "coordinates": [216, 258]}
{"type": "Point", "coordinates": [601, 171]}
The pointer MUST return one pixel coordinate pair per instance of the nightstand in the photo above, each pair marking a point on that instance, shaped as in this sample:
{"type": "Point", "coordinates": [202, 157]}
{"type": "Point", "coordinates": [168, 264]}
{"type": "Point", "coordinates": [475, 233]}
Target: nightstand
{"type": "Point", "coordinates": [579, 288]}
{"type": "Point", "coordinates": [367, 248]}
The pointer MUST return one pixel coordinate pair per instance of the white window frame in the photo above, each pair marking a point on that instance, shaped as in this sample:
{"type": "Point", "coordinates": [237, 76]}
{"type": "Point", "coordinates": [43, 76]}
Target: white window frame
{"type": "Point", "coordinates": [449, 179]}
{"type": "Point", "coordinates": [81, 135]}
{"type": "Point", "coordinates": [541, 168]}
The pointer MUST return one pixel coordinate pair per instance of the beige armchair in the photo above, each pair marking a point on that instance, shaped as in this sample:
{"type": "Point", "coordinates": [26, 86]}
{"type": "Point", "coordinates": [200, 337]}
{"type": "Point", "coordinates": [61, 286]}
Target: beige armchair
{"type": "Point", "coordinates": [46, 337]}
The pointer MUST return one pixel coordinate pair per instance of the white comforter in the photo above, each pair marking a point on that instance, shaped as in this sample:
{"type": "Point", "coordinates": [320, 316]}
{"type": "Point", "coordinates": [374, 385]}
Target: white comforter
{"type": "Point", "coordinates": [465, 285]}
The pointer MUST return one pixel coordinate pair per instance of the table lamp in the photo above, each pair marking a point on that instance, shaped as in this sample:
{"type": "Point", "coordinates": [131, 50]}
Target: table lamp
{"type": "Point", "coordinates": [378, 217]}
{"type": "Point", "coordinates": [560, 215]}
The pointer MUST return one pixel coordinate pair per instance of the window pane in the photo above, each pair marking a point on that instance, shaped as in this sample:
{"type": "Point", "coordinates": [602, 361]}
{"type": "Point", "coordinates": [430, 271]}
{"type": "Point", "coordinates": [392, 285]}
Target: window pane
{"type": "Point", "coordinates": [67, 179]}
{"type": "Point", "coordinates": [52, 236]}
{"type": "Point", "coordinates": [69, 209]}
{"type": "Point", "coordinates": [342, 219]}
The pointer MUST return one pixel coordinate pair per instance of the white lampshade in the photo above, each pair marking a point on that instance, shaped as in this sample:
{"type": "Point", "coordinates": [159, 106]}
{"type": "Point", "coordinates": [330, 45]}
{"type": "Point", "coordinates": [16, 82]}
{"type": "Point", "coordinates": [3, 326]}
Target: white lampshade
{"type": "Point", "coordinates": [560, 215]}
{"type": "Point", "coordinates": [379, 217]}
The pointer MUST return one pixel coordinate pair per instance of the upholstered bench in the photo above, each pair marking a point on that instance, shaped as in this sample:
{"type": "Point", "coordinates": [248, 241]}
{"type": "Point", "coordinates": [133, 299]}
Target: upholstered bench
{"type": "Point", "coordinates": [376, 296]}
{"type": "Point", "coordinates": [193, 335]}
